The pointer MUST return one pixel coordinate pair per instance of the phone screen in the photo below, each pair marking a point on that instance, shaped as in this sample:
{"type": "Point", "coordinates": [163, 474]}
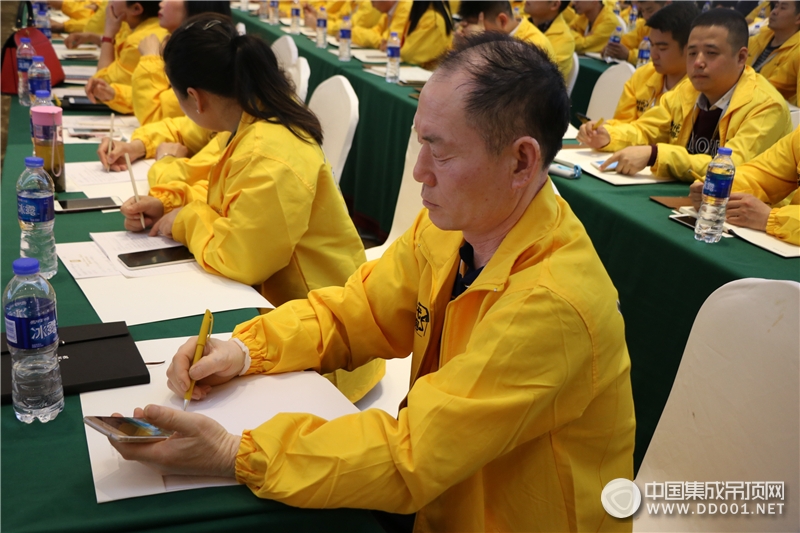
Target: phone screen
{"type": "Point", "coordinates": [178, 254]}
{"type": "Point", "coordinates": [88, 204]}
{"type": "Point", "coordinates": [133, 427]}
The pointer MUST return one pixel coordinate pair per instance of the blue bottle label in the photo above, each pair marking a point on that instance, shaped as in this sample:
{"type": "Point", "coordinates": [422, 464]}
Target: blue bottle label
{"type": "Point", "coordinates": [322, 23]}
{"type": "Point", "coordinates": [717, 186]}
{"type": "Point", "coordinates": [644, 55]}
{"type": "Point", "coordinates": [273, 3]}
{"type": "Point", "coordinates": [39, 84]}
{"type": "Point", "coordinates": [35, 209]}
{"type": "Point", "coordinates": [295, 12]}
{"type": "Point", "coordinates": [614, 39]}
{"type": "Point", "coordinates": [44, 132]}
{"type": "Point", "coordinates": [47, 33]}
{"type": "Point", "coordinates": [31, 333]}
{"type": "Point", "coordinates": [344, 34]}
{"type": "Point", "coordinates": [393, 51]}
{"type": "Point", "coordinates": [23, 64]}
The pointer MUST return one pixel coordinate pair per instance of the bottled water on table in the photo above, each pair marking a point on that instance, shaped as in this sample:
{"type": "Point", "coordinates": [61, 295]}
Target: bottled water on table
{"type": "Point", "coordinates": [263, 11]}
{"type": "Point", "coordinates": [716, 191]}
{"type": "Point", "coordinates": [25, 54]}
{"type": "Point", "coordinates": [36, 216]}
{"type": "Point", "coordinates": [274, 13]}
{"type": "Point", "coordinates": [644, 53]}
{"type": "Point", "coordinates": [42, 22]}
{"type": "Point", "coordinates": [322, 28]}
{"type": "Point", "coordinates": [29, 307]}
{"type": "Point", "coordinates": [393, 58]}
{"type": "Point", "coordinates": [633, 16]}
{"type": "Point", "coordinates": [344, 39]}
{"type": "Point", "coordinates": [294, 28]}
{"type": "Point", "coordinates": [38, 76]}
{"type": "Point", "coordinates": [615, 38]}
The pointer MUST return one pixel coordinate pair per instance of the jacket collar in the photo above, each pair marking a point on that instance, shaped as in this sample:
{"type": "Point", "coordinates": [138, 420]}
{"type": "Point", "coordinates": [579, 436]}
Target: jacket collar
{"type": "Point", "coordinates": [742, 95]}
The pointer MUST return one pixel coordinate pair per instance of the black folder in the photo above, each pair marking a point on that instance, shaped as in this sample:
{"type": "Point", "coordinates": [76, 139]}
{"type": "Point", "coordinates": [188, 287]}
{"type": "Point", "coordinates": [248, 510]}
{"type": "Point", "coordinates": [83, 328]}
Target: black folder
{"type": "Point", "coordinates": [92, 357]}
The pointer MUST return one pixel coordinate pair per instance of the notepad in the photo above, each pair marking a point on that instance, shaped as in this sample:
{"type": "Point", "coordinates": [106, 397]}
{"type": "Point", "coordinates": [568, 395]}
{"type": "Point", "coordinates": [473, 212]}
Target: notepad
{"type": "Point", "coordinates": [587, 159]}
{"type": "Point", "coordinates": [365, 55]}
{"type": "Point", "coordinates": [408, 75]}
{"type": "Point", "coordinates": [93, 173]}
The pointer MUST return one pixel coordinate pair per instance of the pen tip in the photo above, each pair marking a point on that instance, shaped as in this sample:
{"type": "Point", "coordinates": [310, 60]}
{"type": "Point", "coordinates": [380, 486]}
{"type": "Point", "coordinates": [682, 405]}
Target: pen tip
{"type": "Point", "coordinates": [185, 403]}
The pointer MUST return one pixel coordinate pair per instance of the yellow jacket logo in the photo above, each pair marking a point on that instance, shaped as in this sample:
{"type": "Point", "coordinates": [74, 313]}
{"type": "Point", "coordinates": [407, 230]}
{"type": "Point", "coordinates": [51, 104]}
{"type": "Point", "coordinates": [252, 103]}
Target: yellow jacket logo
{"type": "Point", "coordinates": [674, 130]}
{"type": "Point", "coordinates": [423, 319]}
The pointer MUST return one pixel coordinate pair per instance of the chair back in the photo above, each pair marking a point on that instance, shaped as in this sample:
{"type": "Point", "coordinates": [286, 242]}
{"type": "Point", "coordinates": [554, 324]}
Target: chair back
{"type": "Point", "coordinates": [336, 105]}
{"type": "Point", "coordinates": [572, 77]}
{"type": "Point", "coordinates": [607, 90]}
{"type": "Point", "coordinates": [285, 51]}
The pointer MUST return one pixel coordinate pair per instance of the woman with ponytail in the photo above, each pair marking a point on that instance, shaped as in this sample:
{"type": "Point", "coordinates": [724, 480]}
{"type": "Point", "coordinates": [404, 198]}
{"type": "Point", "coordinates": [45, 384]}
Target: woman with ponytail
{"type": "Point", "coordinates": [269, 213]}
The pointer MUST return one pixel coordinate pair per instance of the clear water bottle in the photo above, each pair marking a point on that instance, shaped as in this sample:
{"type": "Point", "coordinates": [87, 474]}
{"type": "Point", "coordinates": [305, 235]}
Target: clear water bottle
{"type": "Point", "coordinates": [40, 98]}
{"type": "Point", "coordinates": [633, 16]}
{"type": "Point", "coordinates": [762, 14]}
{"type": "Point", "coordinates": [706, 6]}
{"type": "Point", "coordinates": [244, 6]}
{"type": "Point", "coordinates": [38, 76]}
{"type": "Point", "coordinates": [263, 11]}
{"type": "Point", "coordinates": [716, 191]}
{"type": "Point", "coordinates": [29, 304]}
{"type": "Point", "coordinates": [25, 55]}
{"type": "Point", "coordinates": [615, 38]}
{"type": "Point", "coordinates": [517, 14]}
{"type": "Point", "coordinates": [322, 28]}
{"type": "Point", "coordinates": [393, 58]}
{"type": "Point", "coordinates": [274, 13]}
{"type": "Point", "coordinates": [644, 53]}
{"type": "Point", "coordinates": [42, 22]}
{"type": "Point", "coordinates": [294, 28]}
{"type": "Point", "coordinates": [36, 214]}
{"type": "Point", "coordinates": [344, 39]}
{"type": "Point", "coordinates": [616, 8]}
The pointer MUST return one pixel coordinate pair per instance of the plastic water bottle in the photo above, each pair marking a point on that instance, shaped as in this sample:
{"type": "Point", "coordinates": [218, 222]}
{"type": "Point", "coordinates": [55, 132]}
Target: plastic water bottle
{"type": "Point", "coordinates": [244, 6]}
{"type": "Point", "coordinates": [762, 14]}
{"type": "Point", "coordinates": [263, 11]}
{"type": "Point", "coordinates": [29, 304]}
{"type": "Point", "coordinates": [517, 14]}
{"type": "Point", "coordinates": [716, 191]}
{"type": "Point", "coordinates": [616, 8]}
{"type": "Point", "coordinates": [294, 28]}
{"type": "Point", "coordinates": [38, 76]}
{"type": "Point", "coordinates": [42, 22]}
{"type": "Point", "coordinates": [25, 54]}
{"type": "Point", "coordinates": [322, 28]}
{"type": "Point", "coordinates": [274, 13]}
{"type": "Point", "coordinates": [36, 214]}
{"type": "Point", "coordinates": [393, 58]}
{"type": "Point", "coordinates": [644, 52]}
{"type": "Point", "coordinates": [615, 38]}
{"type": "Point", "coordinates": [344, 39]}
{"type": "Point", "coordinates": [706, 6]}
{"type": "Point", "coordinates": [633, 16]}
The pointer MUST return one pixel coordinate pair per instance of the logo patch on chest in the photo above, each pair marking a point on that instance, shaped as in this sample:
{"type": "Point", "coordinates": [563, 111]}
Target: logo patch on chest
{"type": "Point", "coordinates": [423, 319]}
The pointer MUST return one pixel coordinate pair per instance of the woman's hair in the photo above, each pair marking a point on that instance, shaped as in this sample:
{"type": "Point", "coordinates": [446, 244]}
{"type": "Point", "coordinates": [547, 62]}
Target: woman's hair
{"type": "Point", "coordinates": [420, 7]}
{"type": "Point", "coordinates": [149, 8]}
{"type": "Point", "coordinates": [207, 53]}
{"type": "Point", "coordinates": [195, 7]}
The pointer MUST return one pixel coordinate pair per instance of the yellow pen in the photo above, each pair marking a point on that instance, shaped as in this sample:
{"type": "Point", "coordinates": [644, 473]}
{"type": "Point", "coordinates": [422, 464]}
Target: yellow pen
{"type": "Point", "coordinates": [202, 338]}
{"type": "Point", "coordinates": [695, 175]}
{"type": "Point", "coordinates": [598, 124]}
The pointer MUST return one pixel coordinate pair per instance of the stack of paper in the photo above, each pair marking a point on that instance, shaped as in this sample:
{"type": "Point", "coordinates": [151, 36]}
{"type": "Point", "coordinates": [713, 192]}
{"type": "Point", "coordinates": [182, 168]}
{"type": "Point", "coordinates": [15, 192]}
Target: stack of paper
{"type": "Point", "coordinates": [92, 179]}
{"type": "Point", "coordinates": [408, 75]}
{"type": "Point", "coordinates": [78, 75]}
{"type": "Point", "coordinates": [84, 51]}
{"type": "Point", "coordinates": [92, 129]}
{"type": "Point", "coordinates": [589, 160]}
{"type": "Point", "coordinates": [366, 56]}
{"type": "Point", "coordinates": [599, 57]}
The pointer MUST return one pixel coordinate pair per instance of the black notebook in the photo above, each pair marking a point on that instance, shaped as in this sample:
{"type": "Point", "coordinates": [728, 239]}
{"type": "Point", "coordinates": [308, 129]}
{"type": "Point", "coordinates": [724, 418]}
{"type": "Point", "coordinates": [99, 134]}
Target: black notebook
{"type": "Point", "coordinates": [92, 357]}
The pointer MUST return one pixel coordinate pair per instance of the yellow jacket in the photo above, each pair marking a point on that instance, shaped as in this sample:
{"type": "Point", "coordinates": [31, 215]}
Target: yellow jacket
{"type": "Point", "coordinates": [563, 44]}
{"type": "Point", "coordinates": [771, 177]}
{"type": "Point", "coordinates": [153, 97]}
{"type": "Point", "coordinates": [370, 26]}
{"type": "Point", "coordinates": [753, 15]}
{"type": "Point", "coordinates": [782, 68]}
{"type": "Point", "coordinates": [269, 214]}
{"type": "Point", "coordinates": [428, 41]}
{"type": "Point", "coordinates": [528, 32]}
{"type": "Point", "coordinates": [97, 22]}
{"type": "Point", "coordinates": [569, 15]}
{"type": "Point", "coordinates": [755, 119]}
{"type": "Point", "coordinates": [528, 416]}
{"type": "Point", "coordinates": [126, 56]}
{"type": "Point", "coordinates": [641, 92]}
{"type": "Point", "coordinates": [79, 14]}
{"type": "Point", "coordinates": [633, 38]}
{"type": "Point", "coordinates": [604, 25]}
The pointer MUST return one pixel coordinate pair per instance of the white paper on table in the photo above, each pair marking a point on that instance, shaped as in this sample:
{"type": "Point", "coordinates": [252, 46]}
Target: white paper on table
{"type": "Point", "coordinates": [334, 41]}
{"type": "Point", "coordinates": [286, 21]}
{"type": "Point", "coordinates": [121, 189]}
{"type": "Point", "coordinates": [599, 57]}
{"type": "Point", "coordinates": [85, 260]}
{"type": "Point", "coordinates": [84, 51]}
{"type": "Point", "coordinates": [79, 72]}
{"type": "Point", "coordinates": [63, 92]}
{"type": "Point", "coordinates": [77, 137]}
{"type": "Point", "coordinates": [243, 403]}
{"type": "Point", "coordinates": [113, 243]}
{"type": "Point", "coordinates": [93, 173]}
{"type": "Point", "coordinates": [407, 74]}
{"type": "Point", "coordinates": [76, 81]}
{"type": "Point", "coordinates": [366, 55]}
{"type": "Point", "coordinates": [572, 132]}
{"type": "Point", "coordinates": [164, 297]}
{"type": "Point", "coordinates": [99, 122]}
{"type": "Point", "coordinates": [585, 158]}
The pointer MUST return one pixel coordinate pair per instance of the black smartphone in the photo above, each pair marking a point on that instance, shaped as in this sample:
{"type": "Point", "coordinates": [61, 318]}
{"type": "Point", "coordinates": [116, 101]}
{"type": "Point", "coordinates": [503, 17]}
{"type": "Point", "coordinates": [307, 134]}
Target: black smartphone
{"type": "Point", "coordinates": [162, 256]}
{"type": "Point", "coordinates": [87, 204]}
{"type": "Point", "coordinates": [126, 429]}
{"type": "Point", "coordinates": [686, 220]}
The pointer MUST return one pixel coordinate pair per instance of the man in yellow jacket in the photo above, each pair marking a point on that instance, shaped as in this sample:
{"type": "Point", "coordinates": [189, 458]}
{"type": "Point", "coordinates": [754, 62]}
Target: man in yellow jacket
{"type": "Point", "coordinates": [775, 51]}
{"type": "Point", "coordinates": [723, 102]}
{"type": "Point", "coordinates": [628, 47]}
{"type": "Point", "coordinates": [548, 17]}
{"type": "Point", "coordinates": [593, 26]}
{"type": "Point", "coordinates": [78, 11]}
{"type": "Point", "coordinates": [520, 408]}
{"type": "Point", "coordinates": [760, 185]}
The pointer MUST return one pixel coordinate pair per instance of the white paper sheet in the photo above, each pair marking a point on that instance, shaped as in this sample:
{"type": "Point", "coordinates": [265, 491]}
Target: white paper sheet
{"type": "Point", "coordinates": [121, 189]}
{"type": "Point", "coordinates": [100, 122]}
{"type": "Point", "coordinates": [164, 297]}
{"type": "Point", "coordinates": [81, 72]}
{"type": "Point", "coordinates": [85, 260]}
{"type": "Point", "coordinates": [407, 74]}
{"type": "Point", "coordinates": [243, 403]}
{"type": "Point", "coordinates": [113, 243]}
{"type": "Point", "coordinates": [334, 41]}
{"type": "Point", "coordinates": [599, 57]}
{"type": "Point", "coordinates": [92, 173]}
{"type": "Point", "coordinates": [63, 92]}
{"type": "Point", "coordinates": [585, 158]}
{"type": "Point", "coordinates": [84, 51]}
{"type": "Point", "coordinates": [366, 55]}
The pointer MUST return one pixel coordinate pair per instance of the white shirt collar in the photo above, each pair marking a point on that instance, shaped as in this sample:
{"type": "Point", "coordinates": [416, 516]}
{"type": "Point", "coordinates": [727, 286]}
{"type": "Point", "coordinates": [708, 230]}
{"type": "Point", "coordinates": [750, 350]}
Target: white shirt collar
{"type": "Point", "coordinates": [722, 103]}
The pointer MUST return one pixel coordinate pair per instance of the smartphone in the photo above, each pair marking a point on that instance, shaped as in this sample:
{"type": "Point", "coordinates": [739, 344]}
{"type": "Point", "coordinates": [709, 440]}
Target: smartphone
{"type": "Point", "coordinates": [686, 220]}
{"type": "Point", "coordinates": [126, 429]}
{"type": "Point", "coordinates": [87, 204]}
{"type": "Point", "coordinates": [162, 256]}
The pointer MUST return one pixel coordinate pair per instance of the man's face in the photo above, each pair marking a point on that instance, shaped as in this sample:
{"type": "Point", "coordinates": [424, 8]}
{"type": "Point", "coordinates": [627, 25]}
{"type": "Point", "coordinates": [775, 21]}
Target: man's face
{"type": "Point", "coordinates": [784, 17]}
{"type": "Point", "coordinates": [383, 6]}
{"type": "Point", "coordinates": [538, 8]}
{"type": "Point", "coordinates": [666, 53]}
{"type": "Point", "coordinates": [647, 9]}
{"type": "Point", "coordinates": [581, 7]}
{"type": "Point", "coordinates": [712, 64]}
{"type": "Point", "coordinates": [464, 187]}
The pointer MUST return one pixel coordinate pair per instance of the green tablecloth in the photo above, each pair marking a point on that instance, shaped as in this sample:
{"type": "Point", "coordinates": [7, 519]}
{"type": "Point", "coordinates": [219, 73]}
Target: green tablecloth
{"type": "Point", "coordinates": [46, 478]}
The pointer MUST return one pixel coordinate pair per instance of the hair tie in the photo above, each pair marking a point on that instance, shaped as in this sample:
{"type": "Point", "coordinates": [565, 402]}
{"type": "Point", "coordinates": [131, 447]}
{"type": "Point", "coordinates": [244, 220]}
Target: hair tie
{"type": "Point", "coordinates": [237, 41]}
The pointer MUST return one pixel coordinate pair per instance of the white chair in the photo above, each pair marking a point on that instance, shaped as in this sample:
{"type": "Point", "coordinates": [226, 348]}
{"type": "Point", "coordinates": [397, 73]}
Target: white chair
{"type": "Point", "coordinates": [572, 77]}
{"type": "Point", "coordinates": [607, 91]}
{"type": "Point", "coordinates": [285, 51]}
{"type": "Point", "coordinates": [794, 111]}
{"type": "Point", "coordinates": [300, 79]}
{"type": "Point", "coordinates": [734, 408]}
{"type": "Point", "coordinates": [409, 201]}
{"type": "Point", "coordinates": [336, 105]}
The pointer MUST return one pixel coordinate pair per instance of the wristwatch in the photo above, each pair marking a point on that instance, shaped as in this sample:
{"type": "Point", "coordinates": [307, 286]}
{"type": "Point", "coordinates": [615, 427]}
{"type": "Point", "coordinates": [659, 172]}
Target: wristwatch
{"type": "Point", "coordinates": [107, 40]}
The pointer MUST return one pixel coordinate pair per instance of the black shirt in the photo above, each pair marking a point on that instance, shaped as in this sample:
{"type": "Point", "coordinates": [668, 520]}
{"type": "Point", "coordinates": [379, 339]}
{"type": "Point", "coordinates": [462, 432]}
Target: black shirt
{"type": "Point", "coordinates": [466, 275]}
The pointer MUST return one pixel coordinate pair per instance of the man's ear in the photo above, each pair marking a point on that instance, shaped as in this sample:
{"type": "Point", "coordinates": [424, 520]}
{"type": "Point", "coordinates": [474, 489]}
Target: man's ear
{"type": "Point", "coordinates": [741, 56]}
{"type": "Point", "coordinates": [503, 20]}
{"type": "Point", "coordinates": [527, 160]}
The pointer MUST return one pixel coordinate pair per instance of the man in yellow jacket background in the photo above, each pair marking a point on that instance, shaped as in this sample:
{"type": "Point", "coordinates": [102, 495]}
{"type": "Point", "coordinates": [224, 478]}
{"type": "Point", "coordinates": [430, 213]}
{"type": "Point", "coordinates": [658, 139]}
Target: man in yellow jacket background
{"type": "Point", "coordinates": [593, 26]}
{"type": "Point", "coordinates": [548, 17]}
{"type": "Point", "coordinates": [628, 47]}
{"type": "Point", "coordinates": [775, 51]}
{"type": "Point", "coordinates": [520, 408]}
{"type": "Point", "coordinates": [723, 102]}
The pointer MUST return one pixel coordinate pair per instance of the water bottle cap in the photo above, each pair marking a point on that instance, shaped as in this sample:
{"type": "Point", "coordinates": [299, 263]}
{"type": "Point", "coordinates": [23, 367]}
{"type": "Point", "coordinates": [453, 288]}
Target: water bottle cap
{"type": "Point", "coordinates": [346, 17]}
{"type": "Point", "coordinates": [322, 10]}
{"type": "Point", "coordinates": [43, 12]}
{"type": "Point", "coordinates": [34, 162]}
{"type": "Point", "coordinates": [646, 39]}
{"type": "Point", "coordinates": [25, 40]}
{"type": "Point", "coordinates": [38, 58]}
{"type": "Point", "coordinates": [619, 28]}
{"type": "Point", "coordinates": [724, 151]}
{"type": "Point", "coordinates": [42, 94]}
{"type": "Point", "coordinates": [25, 266]}
{"type": "Point", "coordinates": [393, 34]}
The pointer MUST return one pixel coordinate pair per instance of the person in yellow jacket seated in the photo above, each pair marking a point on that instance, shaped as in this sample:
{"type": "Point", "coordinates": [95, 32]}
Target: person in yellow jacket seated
{"type": "Point", "coordinates": [497, 16]}
{"type": "Point", "coordinates": [593, 26]}
{"type": "Point", "coordinates": [628, 47]}
{"type": "Point", "coordinates": [119, 52]}
{"type": "Point", "coordinates": [761, 11]}
{"type": "Point", "coordinates": [93, 31]}
{"type": "Point", "coordinates": [78, 11]}
{"type": "Point", "coordinates": [775, 51]}
{"type": "Point", "coordinates": [669, 33]}
{"type": "Point", "coordinates": [762, 183]}
{"type": "Point", "coordinates": [548, 17]}
{"type": "Point", "coordinates": [372, 25]}
{"type": "Point", "coordinates": [269, 213]}
{"type": "Point", "coordinates": [153, 98]}
{"type": "Point", "coordinates": [520, 380]}
{"type": "Point", "coordinates": [723, 102]}
{"type": "Point", "coordinates": [334, 10]}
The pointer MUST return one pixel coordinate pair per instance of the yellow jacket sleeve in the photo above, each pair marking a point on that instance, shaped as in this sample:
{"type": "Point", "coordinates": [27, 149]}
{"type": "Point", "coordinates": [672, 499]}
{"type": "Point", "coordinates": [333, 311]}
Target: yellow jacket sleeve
{"type": "Point", "coordinates": [626, 107]}
{"type": "Point", "coordinates": [647, 129]}
{"type": "Point", "coordinates": [784, 222]}
{"type": "Point", "coordinates": [97, 22]}
{"type": "Point", "coordinates": [428, 41]}
{"type": "Point", "coordinates": [632, 39]}
{"type": "Point", "coordinates": [190, 170]}
{"type": "Point", "coordinates": [77, 9]}
{"type": "Point", "coordinates": [172, 130]}
{"type": "Point", "coordinates": [604, 26]}
{"type": "Point", "coordinates": [75, 25]}
{"type": "Point", "coordinates": [153, 97]}
{"type": "Point", "coordinates": [369, 36]}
